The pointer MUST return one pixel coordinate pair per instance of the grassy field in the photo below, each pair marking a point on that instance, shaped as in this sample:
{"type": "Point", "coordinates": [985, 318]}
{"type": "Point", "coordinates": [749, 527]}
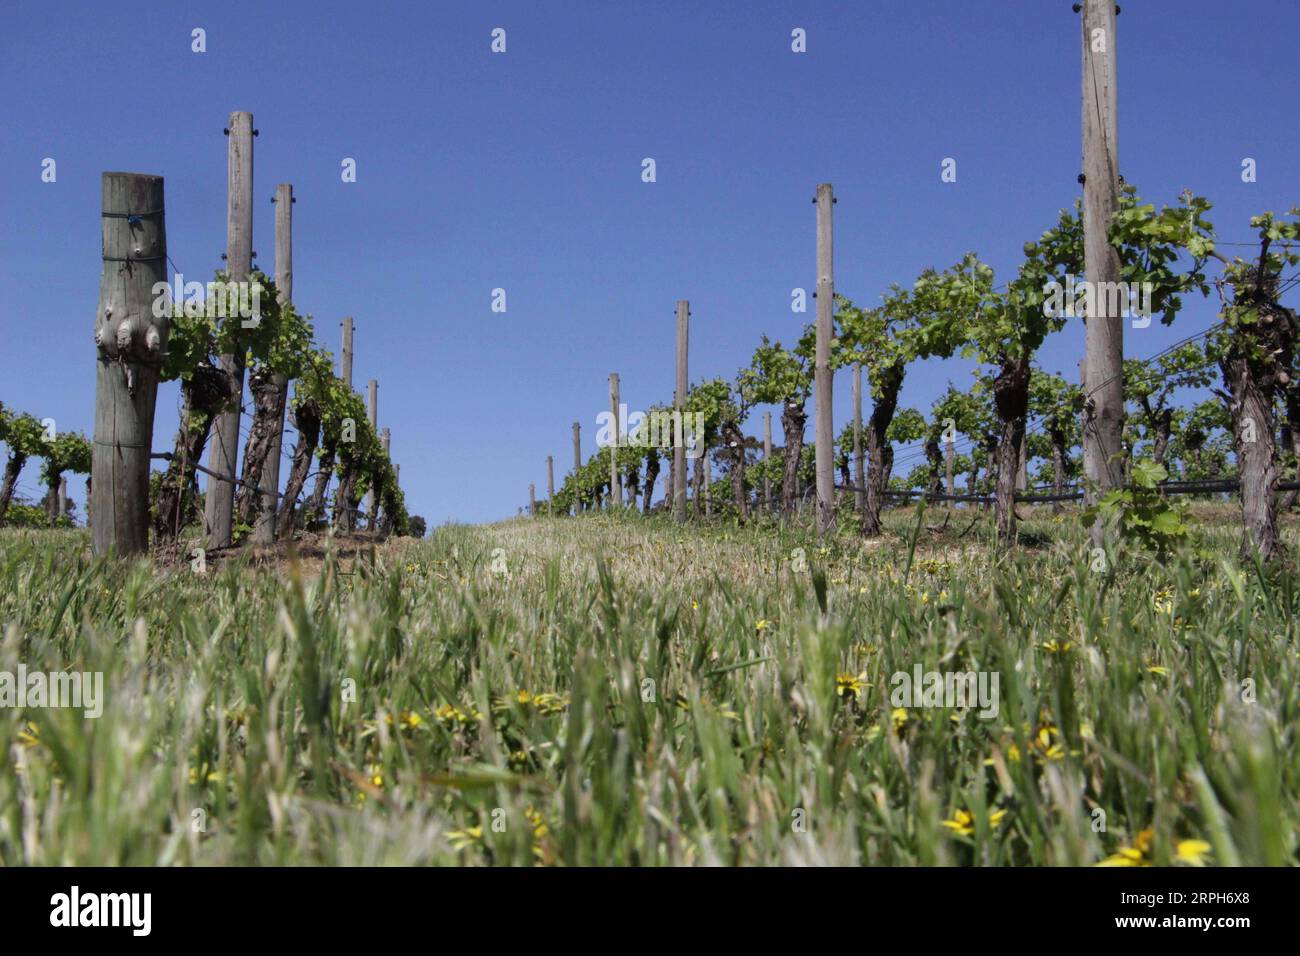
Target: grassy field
{"type": "Point", "coordinates": [617, 690]}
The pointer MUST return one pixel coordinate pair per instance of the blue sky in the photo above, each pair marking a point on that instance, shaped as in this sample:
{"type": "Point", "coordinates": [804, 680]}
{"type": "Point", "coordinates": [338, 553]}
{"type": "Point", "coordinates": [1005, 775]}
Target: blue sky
{"type": "Point", "coordinates": [522, 171]}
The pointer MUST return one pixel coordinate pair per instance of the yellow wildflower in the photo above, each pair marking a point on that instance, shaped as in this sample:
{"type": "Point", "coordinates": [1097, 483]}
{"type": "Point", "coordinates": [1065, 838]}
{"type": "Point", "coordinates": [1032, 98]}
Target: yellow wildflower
{"type": "Point", "coordinates": [849, 685]}
{"type": "Point", "coordinates": [1191, 852]}
{"type": "Point", "coordinates": [1139, 854]}
{"type": "Point", "coordinates": [963, 821]}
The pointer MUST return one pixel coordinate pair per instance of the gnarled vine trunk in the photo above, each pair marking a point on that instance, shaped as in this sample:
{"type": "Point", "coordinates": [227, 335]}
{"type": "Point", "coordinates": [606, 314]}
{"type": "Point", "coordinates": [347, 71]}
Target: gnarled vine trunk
{"type": "Point", "coordinates": [346, 499]}
{"type": "Point", "coordinates": [651, 476]}
{"type": "Point", "coordinates": [268, 407]}
{"type": "Point", "coordinates": [314, 510]}
{"type": "Point", "coordinates": [735, 442]}
{"type": "Point", "coordinates": [203, 395]}
{"type": "Point", "coordinates": [793, 420]}
{"type": "Point", "coordinates": [1057, 437]}
{"type": "Point", "coordinates": [1292, 399]}
{"type": "Point", "coordinates": [306, 419]}
{"type": "Point", "coordinates": [880, 455]}
{"type": "Point", "coordinates": [1252, 420]}
{"type": "Point", "coordinates": [13, 467]}
{"type": "Point", "coordinates": [1011, 400]}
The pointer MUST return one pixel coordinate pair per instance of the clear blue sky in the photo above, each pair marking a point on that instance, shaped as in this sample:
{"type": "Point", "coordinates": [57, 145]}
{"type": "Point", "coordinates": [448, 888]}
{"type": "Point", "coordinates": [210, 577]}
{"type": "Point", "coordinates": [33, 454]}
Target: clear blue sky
{"type": "Point", "coordinates": [522, 171]}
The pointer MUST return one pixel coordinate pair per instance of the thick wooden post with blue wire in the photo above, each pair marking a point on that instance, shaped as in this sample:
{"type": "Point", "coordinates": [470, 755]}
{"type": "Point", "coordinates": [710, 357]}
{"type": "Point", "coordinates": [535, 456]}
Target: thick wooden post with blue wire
{"type": "Point", "coordinates": [130, 338]}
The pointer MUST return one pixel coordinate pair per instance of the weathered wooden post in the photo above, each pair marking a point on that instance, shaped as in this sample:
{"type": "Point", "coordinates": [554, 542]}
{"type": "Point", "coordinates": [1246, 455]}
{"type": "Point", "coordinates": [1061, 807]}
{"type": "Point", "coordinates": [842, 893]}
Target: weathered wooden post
{"type": "Point", "coordinates": [708, 480]}
{"type": "Point", "coordinates": [532, 501]}
{"type": "Point", "coordinates": [63, 497]}
{"type": "Point", "coordinates": [1104, 328]}
{"type": "Point", "coordinates": [385, 442]}
{"type": "Point", "coordinates": [679, 406]}
{"type": "Point", "coordinates": [949, 457]}
{"type": "Point", "coordinates": [615, 480]}
{"type": "Point", "coordinates": [264, 527]}
{"type": "Point", "coordinates": [219, 503]}
{"type": "Point", "coordinates": [825, 451]}
{"type": "Point", "coordinates": [550, 485]}
{"type": "Point", "coordinates": [859, 479]}
{"type": "Point", "coordinates": [345, 357]}
{"type": "Point", "coordinates": [577, 465]}
{"type": "Point", "coordinates": [130, 338]}
{"type": "Point", "coordinates": [372, 415]}
{"type": "Point", "coordinates": [767, 458]}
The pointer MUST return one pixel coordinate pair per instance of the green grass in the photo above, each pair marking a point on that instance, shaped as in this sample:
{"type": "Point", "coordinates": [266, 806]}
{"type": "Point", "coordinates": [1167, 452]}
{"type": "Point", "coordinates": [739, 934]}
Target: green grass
{"type": "Point", "coordinates": [696, 717]}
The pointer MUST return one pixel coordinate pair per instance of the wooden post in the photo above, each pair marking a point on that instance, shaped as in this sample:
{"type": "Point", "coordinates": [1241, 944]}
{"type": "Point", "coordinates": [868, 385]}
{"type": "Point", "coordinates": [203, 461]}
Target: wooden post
{"type": "Point", "coordinates": [130, 341]}
{"type": "Point", "coordinates": [532, 502]}
{"type": "Point", "coordinates": [264, 528]}
{"type": "Point", "coordinates": [63, 497]}
{"type": "Point", "coordinates": [550, 485]}
{"type": "Point", "coordinates": [577, 464]}
{"type": "Point", "coordinates": [219, 502]}
{"type": "Point", "coordinates": [1104, 334]}
{"type": "Point", "coordinates": [767, 458]}
{"type": "Point", "coordinates": [345, 357]}
{"type": "Point", "coordinates": [949, 455]}
{"type": "Point", "coordinates": [615, 480]}
{"type": "Point", "coordinates": [825, 451]}
{"type": "Point", "coordinates": [372, 415]}
{"type": "Point", "coordinates": [859, 478]}
{"type": "Point", "coordinates": [679, 405]}
{"type": "Point", "coordinates": [708, 480]}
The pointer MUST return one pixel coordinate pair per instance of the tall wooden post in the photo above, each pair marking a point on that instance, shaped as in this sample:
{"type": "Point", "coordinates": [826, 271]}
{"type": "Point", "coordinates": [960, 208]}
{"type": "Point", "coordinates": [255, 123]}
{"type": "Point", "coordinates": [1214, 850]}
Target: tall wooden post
{"type": "Point", "coordinates": [679, 405]}
{"type": "Point", "coordinates": [219, 502]}
{"type": "Point", "coordinates": [708, 480]}
{"type": "Point", "coordinates": [949, 457]}
{"type": "Point", "coordinates": [264, 528]}
{"type": "Point", "coordinates": [550, 485]}
{"type": "Point", "coordinates": [1104, 335]}
{"type": "Point", "coordinates": [825, 451]}
{"type": "Point", "coordinates": [130, 340]}
{"type": "Point", "coordinates": [345, 357]}
{"type": "Point", "coordinates": [859, 479]}
{"type": "Point", "coordinates": [767, 458]}
{"type": "Point", "coordinates": [532, 501]}
{"type": "Point", "coordinates": [385, 442]}
{"type": "Point", "coordinates": [63, 497]}
{"type": "Point", "coordinates": [577, 464]}
{"type": "Point", "coordinates": [372, 415]}
{"type": "Point", "coordinates": [615, 480]}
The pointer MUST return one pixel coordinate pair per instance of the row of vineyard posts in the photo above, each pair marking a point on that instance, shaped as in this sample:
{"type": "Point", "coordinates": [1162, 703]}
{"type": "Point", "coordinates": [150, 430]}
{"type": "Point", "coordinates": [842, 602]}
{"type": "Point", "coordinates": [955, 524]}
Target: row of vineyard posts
{"type": "Point", "coordinates": [211, 349]}
{"type": "Point", "coordinates": [1111, 237]}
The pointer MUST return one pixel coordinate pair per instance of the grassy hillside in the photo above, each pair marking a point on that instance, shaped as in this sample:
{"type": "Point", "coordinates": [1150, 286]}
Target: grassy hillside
{"type": "Point", "coordinates": [609, 691]}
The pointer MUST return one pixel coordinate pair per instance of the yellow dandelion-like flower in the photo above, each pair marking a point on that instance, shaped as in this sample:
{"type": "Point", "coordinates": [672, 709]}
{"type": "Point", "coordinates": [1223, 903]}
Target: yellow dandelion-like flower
{"type": "Point", "coordinates": [900, 717]}
{"type": "Point", "coordinates": [963, 821]}
{"type": "Point", "coordinates": [30, 735]}
{"type": "Point", "coordinates": [1058, 647]}
{"type": "Point", "coordinates": [1191, 852]}
{"type": "Point", "coordinates": [1139, 854]}
{"type": "Point", "coordinates": [1163, 600]}
{"type": "Point", "coordinates": [1158, 670]}
{"type": "Point", "coordinates": [849, 684]}
{"type": "Point", "coordinates": [695, 605]}
{"type": "Point", "coordinates": [762, 625]}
